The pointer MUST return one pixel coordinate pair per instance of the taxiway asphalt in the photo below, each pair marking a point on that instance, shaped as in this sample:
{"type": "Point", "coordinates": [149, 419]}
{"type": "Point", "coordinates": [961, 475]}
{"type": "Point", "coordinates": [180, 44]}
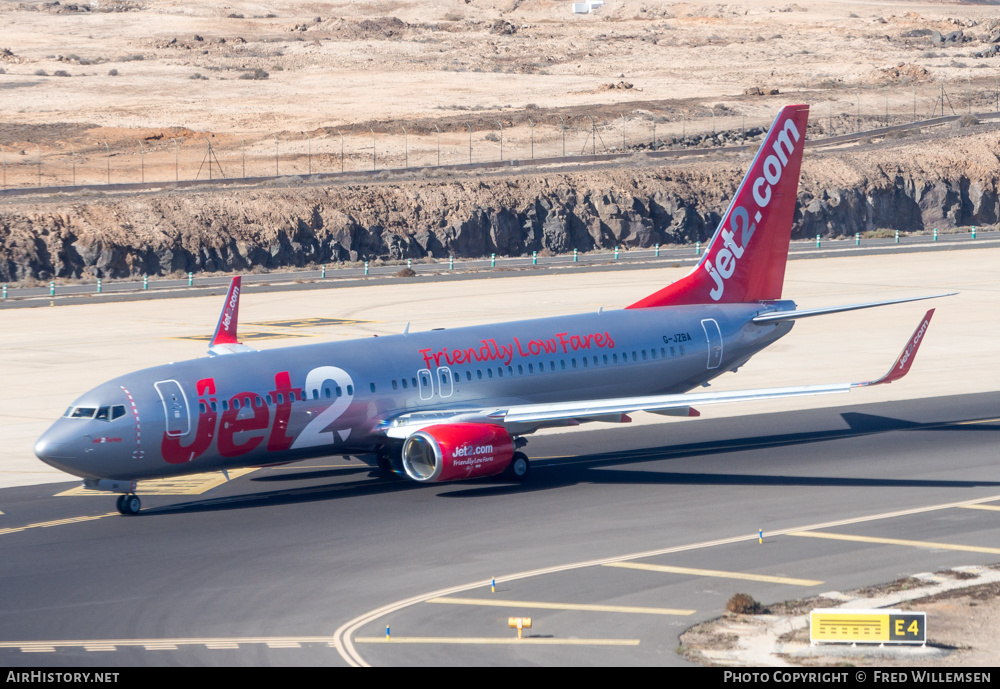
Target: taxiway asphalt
{"type": "Point", "coordinates": [606, 548]}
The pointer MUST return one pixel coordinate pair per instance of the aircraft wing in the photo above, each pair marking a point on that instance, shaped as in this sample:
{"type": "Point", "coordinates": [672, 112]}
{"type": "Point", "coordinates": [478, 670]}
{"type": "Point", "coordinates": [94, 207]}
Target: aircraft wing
{"type": "Point", "coordinates": [523, 418]}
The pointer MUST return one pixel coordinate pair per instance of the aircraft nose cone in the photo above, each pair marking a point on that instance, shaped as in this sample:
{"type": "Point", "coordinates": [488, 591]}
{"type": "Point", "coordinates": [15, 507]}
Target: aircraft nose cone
{"type": "Point", "coordinates": [53, 449]}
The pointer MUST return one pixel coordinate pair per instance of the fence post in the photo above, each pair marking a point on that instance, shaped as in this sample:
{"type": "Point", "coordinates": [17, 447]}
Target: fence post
{"type": "Point", "coordinates": [190, 279]}
{"type": "Point", "coordinates": [973, 231]}
{"type": "Point", "coordinates": [99, 287]}
{"type": "Point", "coordinates": [451, 263]}
{"type": "Point", "coordinates": [322, 272]}
{"type": "Point", "coordinates": [656, 251]}
{"type": "Point", "coordinates": [142, 162]}
{"type": "Point", "coordinates": [857, 239]}
{"type": "Point", "coordinates": [935, 234]}
{"type": "Point", "coordinates": [817, 241]}
{"type": "Point", "coordinates": [574, 256]}
{"type": "Point", "coordinates": [897, 236]}
{"type": "Point", "coordinates": [145, 282]}
{"type": "Point", "coordinates": [366, 267]}
{"type": "Point", "coordinates": [493, 260]}
{"type": "Point", "coordinates": [697, 248]}
{"type": "Point", "coordinates": [5, 290]}
{"type": "Point", "coordinates": [534, 258]}
{"type": "Point", "coordinates": [52, 289]}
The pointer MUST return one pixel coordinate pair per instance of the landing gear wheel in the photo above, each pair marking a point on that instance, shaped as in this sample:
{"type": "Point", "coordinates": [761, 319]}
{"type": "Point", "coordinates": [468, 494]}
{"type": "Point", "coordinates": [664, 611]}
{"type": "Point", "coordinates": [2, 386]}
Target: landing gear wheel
{"type": "Point", "coordinates": [519, 468]}
{"type": "Point", "coordinates": [129, 504]}
{"type": "Point", "coordinates": [120, 504]}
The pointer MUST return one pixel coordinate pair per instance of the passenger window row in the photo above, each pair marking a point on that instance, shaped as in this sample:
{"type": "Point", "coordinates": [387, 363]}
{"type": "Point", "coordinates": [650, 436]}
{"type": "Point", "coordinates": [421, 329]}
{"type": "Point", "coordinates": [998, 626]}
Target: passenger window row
{"type": "Point", "coordinates": [532, 368]}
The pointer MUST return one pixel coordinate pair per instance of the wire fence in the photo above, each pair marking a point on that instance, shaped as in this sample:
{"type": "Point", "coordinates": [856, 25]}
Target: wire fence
{"type": "Point", "coordinates": [484, 138]}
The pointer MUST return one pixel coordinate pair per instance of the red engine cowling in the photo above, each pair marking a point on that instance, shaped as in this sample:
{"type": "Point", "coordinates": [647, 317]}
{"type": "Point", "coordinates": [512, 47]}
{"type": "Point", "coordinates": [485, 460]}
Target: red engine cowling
{"type": "Point", "coordinates": [458, 451]}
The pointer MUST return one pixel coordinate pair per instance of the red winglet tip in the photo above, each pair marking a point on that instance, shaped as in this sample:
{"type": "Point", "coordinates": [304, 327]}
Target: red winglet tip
{"type": "Point", "coordinates": [905, 359]}
{"type": "Point", "coordinates": [693, 412]}
{"type": "Point", "coordinates": [225, 331]}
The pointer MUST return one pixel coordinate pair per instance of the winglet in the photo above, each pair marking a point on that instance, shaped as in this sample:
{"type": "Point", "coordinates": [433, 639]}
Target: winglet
{"type": "Point", "coordinates": [905, 359]}
{"type": "Point", "coordinates": [225, 331]}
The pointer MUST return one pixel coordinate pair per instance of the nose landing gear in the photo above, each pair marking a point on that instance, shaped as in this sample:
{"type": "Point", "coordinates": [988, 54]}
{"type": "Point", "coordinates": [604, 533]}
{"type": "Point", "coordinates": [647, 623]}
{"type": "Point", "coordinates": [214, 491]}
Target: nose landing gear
{"type": "Point", "coordinates": [129, 504]}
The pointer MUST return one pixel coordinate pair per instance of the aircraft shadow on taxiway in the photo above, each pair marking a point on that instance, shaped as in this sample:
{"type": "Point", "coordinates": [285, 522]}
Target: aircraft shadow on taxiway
{"type": "Point", "coordinates": [561, 473]}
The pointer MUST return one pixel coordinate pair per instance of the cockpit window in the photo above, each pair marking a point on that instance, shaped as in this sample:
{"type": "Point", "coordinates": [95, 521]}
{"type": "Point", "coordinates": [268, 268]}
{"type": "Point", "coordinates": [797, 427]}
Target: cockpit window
{"type": "Point", "coordinates": [108, 413]}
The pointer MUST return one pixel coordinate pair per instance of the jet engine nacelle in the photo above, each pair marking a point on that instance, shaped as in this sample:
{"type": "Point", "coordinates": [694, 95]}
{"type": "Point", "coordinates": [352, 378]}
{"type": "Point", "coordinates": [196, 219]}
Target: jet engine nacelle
{"type": "Point", "coordinates": [454, 452]}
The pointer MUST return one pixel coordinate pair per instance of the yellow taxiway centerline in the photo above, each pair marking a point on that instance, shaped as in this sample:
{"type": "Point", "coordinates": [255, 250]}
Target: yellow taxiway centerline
{"type": "Point", "coordinates": [57, 522]}
{"type": "Point", "coordinates": [491, 602]}
{"type": "Point", "coordinates": [991, 508]}
{"type": "Point", "coordinates": [535, 641]}
{"type": "Point", "coordinates": [167, 644]}
{"type": "Point", "coordinates": [191, 484]}
{"type": "Point", "coordinates": [715, 573]}
{"type": "Point", "coordinates": [897, 541]}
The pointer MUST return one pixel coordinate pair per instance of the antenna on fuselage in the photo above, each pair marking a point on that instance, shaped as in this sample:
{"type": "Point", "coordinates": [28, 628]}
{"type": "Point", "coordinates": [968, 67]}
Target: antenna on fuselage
{"type": "Point", "coordinates": [406, 330]}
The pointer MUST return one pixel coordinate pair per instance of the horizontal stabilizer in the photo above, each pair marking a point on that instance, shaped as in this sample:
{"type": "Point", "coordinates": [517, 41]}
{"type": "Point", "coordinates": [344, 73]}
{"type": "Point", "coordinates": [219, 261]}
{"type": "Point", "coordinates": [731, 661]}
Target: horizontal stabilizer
{"type": "Point", "coordinates": [777, 316]}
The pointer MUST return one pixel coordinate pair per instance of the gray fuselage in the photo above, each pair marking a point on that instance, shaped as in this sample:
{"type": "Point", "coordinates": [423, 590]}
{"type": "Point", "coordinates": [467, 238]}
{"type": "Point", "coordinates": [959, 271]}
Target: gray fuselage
{"type": "Point", "coordinates": [268, 407]}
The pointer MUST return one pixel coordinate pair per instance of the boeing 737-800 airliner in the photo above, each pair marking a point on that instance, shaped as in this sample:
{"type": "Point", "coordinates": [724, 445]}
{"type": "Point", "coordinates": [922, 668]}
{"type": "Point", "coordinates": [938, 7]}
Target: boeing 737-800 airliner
{"type": "Point", "coordinates": [456, 404]}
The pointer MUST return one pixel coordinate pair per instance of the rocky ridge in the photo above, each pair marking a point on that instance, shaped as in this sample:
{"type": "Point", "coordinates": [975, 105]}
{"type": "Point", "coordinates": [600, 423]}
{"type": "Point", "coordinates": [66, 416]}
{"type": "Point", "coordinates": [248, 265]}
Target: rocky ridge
{"type": "Point", "coordinates": [909, 186]}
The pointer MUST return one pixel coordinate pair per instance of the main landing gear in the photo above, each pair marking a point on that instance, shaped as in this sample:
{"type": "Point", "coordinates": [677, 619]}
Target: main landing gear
{"type": "Point", "coordinates": [129, 504]}
{"type": "Point", "coordinates": [518, 469]}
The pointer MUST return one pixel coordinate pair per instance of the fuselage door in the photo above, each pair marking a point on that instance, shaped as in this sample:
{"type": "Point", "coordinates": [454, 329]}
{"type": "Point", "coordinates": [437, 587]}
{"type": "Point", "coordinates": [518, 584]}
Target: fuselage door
{"type": "Point", "coordinates": [426, 383]}
{"type": "Point", "coordinates": [714, 336]}
{"type": "Point", "coordinates": [446, 386]}
{"type": "Point", "coordinates": [175, 407]}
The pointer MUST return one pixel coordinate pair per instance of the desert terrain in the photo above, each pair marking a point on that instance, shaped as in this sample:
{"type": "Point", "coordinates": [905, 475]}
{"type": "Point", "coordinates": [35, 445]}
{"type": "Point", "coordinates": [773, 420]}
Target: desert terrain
{"type": "Point", "coordinates": [138, 90]}
{"type": "Point", "coordinates": [109, 93]}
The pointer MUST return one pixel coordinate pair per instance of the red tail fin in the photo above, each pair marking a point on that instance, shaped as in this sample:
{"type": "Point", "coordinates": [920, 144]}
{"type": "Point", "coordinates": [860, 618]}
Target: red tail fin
{"type": "Point", "coordinates": [225, 331]}
{"type": "Point", "coordinates": [745, 261]}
